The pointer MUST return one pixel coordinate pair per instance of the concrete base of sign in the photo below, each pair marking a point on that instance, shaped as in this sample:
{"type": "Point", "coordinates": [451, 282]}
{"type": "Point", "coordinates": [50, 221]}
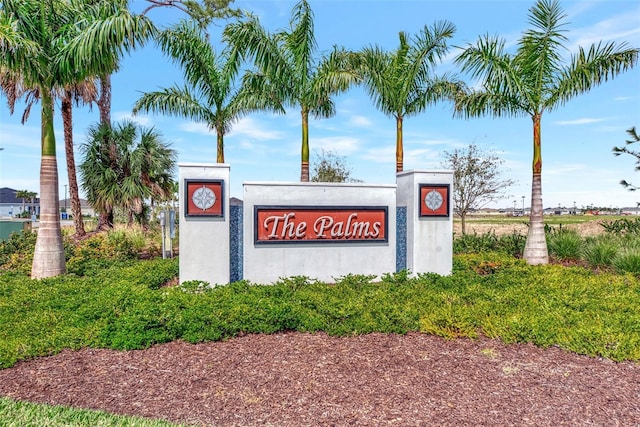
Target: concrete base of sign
{"type": "Point", "coordinates": [430, 234]}
{"type": "Point", "coordinates": [204, 236]}
{"type": "Point", "coordinates": [267, 261]}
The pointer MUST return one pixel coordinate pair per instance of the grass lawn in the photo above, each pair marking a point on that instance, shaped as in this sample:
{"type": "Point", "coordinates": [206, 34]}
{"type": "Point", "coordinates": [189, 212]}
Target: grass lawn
{"type": "Point", "coordinates": [25, 414]}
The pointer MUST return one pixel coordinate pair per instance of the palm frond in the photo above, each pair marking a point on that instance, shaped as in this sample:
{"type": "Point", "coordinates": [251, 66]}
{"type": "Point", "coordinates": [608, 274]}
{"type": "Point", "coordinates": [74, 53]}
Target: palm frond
{"type": "Point", "coordinates": [176, 101]}
{"type": "Point", "coordinates": [590, 68]}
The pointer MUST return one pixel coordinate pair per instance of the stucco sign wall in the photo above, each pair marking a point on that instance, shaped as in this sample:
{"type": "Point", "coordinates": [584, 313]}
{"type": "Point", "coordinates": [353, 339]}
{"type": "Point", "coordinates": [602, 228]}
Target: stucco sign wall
{"type": "Point", "coordinates": [320, 230]}
{"type": "Point", "coordinates": [323, 231]}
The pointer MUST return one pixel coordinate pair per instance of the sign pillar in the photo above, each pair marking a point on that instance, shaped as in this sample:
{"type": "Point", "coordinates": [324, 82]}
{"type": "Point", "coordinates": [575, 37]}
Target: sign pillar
{"type": "Point", "coordinates": [428, 198]}
{"type": "Point", "coordinates": [204, 222]}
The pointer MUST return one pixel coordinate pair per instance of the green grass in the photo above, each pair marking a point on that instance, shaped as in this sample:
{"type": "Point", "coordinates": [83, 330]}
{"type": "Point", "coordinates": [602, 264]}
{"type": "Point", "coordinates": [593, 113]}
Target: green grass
{"type": "Point", "coordinates": [24, 414]}
{"type": "Point", "coordinates": [552, 220]}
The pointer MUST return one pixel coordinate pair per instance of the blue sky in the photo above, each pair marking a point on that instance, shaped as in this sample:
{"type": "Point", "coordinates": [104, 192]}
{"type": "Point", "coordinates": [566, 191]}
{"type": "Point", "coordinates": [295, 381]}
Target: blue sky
{"type": "Point", "coordinates": [577, 138]}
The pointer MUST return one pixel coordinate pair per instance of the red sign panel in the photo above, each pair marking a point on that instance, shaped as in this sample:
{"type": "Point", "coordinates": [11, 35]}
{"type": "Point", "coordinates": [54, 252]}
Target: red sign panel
{"type": "Point", "coordinates": [204, 198]}
{"type": "Point", "coordinates": [434, 200]}
{"type": "Point", "coordinates": [313, 225]}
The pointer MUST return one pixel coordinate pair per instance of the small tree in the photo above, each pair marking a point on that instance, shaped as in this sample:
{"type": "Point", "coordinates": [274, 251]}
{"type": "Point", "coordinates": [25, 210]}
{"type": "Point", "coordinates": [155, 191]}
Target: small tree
{"type": "Point", "coordinates": [477, 179]}
{"type": "Point", "coordinates": [143, 170]}
{"type": "Point", "coordinates": [329, 167]}
{"type": "Point", "coordinates": [626, 150]}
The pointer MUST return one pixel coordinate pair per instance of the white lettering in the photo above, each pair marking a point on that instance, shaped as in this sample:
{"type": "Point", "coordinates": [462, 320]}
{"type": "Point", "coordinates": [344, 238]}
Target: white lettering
{"type": "Point", "coordinates": [352, 216]}
{"type": "Point", "coordinates": [301, 230]}
{"type": "Point", "coordinates": [336, 230]}
{"type": "Point", "coordinates": [321, 225]}
{"type": "Point", "coordinates": [376, 229]}
{"type": "Point", "coordinates": [288, 226]}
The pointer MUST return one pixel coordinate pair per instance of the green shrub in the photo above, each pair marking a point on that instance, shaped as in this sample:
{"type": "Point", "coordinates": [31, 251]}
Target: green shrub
{"type": "Point", "coordinates": [512, 244]}
{"type": "Point", "coordinates": [628, 260]}
{"type": "Point", "coordinates": [622, 226]}
{"type": "Point", "coordinates": [491, 293]}
{"type": "Point", "coordinates": [564, 243]}
{"type": "Point", "coordinates": [16, 253]}
{"type": "Point", "coordinates": [600, 252]}
{"type": "Point", "coordinates": [94, 254]}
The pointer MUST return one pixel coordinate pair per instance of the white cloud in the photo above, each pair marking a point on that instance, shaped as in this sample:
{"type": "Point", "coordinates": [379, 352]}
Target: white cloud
{"type": "Point", "coordinates": [341, 145]}
{"type": "Point", "coordinates": [193, 127]}
{"type": "Point", "coordinates": [360, 121]}
{"type": "Point", "coordinates": [126, 115]}
{"type": "Point", "coordinates": [448, 143]}
{"type": "Point", "coordinates": [583, 121]}
{"type": "Point", "coordinates": [386, 154]}
{"type": "Point", "coordinates": [566, 169]}
{"type": "Point", "coordinates": [619, 28]}
{"type": "Point", "coordinates": [252, 128]}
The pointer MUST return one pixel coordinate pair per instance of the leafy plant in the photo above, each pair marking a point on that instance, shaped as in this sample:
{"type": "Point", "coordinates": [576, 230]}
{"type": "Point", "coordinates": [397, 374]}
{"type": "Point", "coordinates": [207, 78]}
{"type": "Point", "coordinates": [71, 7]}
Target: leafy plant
{"type": "Point", "coordinates": [600, 252]}
{"type": "Point", "coordinates": [512, 244]}
{"type": "Point", "coordinates": [565, 244]}
{"type": "Point", "coordinates": [628, 260]}
{"type": "Point", "coordinates": [16, 253]}
{"type": "Point", "coordinates": [622, 226]}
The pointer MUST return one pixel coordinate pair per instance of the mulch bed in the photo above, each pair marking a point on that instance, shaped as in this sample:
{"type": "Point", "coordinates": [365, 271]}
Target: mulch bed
{"type": "Point", "coordinates": [297, 379]}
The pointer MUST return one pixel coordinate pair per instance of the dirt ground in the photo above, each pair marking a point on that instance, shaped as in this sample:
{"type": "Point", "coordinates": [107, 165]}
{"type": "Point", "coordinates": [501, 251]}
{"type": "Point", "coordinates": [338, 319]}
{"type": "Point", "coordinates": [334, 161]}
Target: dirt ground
{"type": "Point", "coordinates": [298, 379]}
{"type": "Point", "coordinates": [588, 228]}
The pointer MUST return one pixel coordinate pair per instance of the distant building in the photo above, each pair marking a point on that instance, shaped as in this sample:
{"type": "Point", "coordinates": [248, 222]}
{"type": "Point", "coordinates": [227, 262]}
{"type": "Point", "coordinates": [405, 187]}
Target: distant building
{"type": "Point", "coordinates": [630, 211]}
{"type": "Point", "coordinates": [12, 206]}
{"type": "Point", "coordinates": [85, 207]}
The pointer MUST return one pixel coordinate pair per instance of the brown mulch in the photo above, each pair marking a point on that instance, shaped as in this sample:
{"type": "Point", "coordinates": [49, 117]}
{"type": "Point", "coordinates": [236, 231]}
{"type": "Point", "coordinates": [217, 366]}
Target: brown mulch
{"type": "Point", "coordinates": [297, 379]}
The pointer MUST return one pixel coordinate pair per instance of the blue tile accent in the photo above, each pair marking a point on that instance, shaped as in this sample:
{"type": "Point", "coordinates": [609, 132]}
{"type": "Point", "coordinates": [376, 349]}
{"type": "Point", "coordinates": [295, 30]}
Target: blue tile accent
{"type": "Point", "coordinates": [235, 243]}
{"type": "Point", "coordinates": [401, 238]}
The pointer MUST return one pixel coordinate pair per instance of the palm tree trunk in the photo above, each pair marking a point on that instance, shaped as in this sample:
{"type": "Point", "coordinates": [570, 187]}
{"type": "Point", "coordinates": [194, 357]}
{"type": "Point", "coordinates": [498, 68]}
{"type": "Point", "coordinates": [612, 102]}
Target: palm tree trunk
{"type": "Point", "coordinates": [67, 122]}
{"type": "Point", "coordinates": [48, 256]}
{"type": "Point", "coordinates": [535, 250]}
{"type": "Point", "coordinates": [220, 149]}
{"type": "Point", "coordinates": [399, 149]}
{"type": "Point", "coordinates": [104, 102]}
{"type": "Point", "coordinates": [105, 219]}
{"type": "Point", "coordinates": [304, 165]}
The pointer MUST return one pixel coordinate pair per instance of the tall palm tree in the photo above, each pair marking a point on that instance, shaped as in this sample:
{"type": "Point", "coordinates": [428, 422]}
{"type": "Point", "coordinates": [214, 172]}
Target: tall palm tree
{"type": "Point", "coordinates": [144, 167]}
{"type": "Point", "coordinates": [100, 10]}
{"type": "Point", "coordinates": [83, 92]}
{"type": "Point", "coordinates": [63, 44]}
{"type": "Point", "coordinates": [401, 83]}
{"type": "Point", "coordinates": [287, 73]}
{"type": "Point", "coordinates": [535, 79]}
{"type": "Point", "coordinates": [209, 96]}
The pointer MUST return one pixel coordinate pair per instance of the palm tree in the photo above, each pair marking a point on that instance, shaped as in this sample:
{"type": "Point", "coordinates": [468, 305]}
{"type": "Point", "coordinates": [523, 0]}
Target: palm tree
{"type": "Point", "coordinates": [25, 195]}
{"type": "Point", "coordinates": [84, 92]}
{"type": "Point", "coordinates": [49, 44]}
{"type": "Point", "coordinates": [208, 96]}
{"type": "Point", "coordinates": [533, 80]}
{"type": "Point", "coordinates": [402, 84]}
{"type": "Point", "coordinates": [143, 169]}
{"type": "Point", "coordinates": [287, 74]}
